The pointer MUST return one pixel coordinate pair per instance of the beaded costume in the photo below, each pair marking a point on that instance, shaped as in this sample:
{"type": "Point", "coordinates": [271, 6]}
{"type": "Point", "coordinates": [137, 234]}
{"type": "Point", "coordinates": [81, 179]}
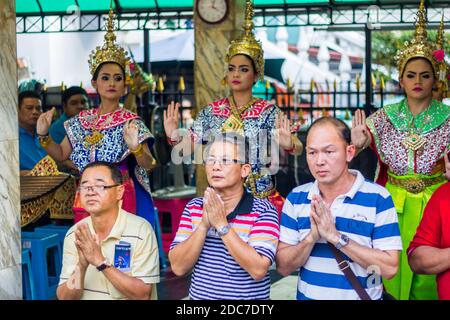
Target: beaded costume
{"type": "Point", "coordinates": [256, 120]}
{"type": "Point", "coordinates": [410, 151]}
{"type": "Point", "coordinates": [95, 137]}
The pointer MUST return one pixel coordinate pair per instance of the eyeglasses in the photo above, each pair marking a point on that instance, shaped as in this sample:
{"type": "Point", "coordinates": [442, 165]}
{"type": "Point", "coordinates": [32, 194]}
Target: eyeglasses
{"type": "Point", "coordinates": [222, 161]}
{"type": "Point", "coordinates": [96, 189]}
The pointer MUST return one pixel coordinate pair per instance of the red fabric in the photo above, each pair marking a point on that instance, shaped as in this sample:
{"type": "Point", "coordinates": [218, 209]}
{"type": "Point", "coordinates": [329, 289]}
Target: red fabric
{"type": "Point", "coordinates": [105, 121]}
{"type": "Point", "coordinates": [278, 201]}
{"type": "Point", "coordinates": [222, 108]}
{"type": "Point", "coordinates": [382, 174]}
{"type": "Point", "coordinates": [434, 231]}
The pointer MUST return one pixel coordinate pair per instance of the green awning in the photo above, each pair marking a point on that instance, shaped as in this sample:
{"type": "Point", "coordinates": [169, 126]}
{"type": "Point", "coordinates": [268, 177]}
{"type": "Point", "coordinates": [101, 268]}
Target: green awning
{"type": "Point", "coordinates": [57, 7]}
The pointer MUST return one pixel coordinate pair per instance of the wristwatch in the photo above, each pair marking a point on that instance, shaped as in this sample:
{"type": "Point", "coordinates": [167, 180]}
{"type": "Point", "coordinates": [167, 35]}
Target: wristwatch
{"type": "Point", "coordinates": [343, 241]}
{"type": "Point", "coordinates": [223, 230]}
{"type": "Point", "coordinates": [105, 264]}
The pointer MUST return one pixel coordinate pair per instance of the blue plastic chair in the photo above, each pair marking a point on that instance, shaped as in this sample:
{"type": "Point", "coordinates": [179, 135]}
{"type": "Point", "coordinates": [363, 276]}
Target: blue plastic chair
{"type": "Point", "coordinates": [51, 228]}
{"type": "Point", "coordinates": [162, 255]}
{"type": "Point", "coordinates": [46, 261]}
{"type": "Point", "coordinates": [28, 288]}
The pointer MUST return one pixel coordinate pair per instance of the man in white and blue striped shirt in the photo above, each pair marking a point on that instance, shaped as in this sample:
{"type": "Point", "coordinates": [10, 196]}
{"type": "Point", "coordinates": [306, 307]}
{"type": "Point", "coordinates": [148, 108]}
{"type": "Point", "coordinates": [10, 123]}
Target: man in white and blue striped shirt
{"type": "Point", "coordinates": [342, 208]}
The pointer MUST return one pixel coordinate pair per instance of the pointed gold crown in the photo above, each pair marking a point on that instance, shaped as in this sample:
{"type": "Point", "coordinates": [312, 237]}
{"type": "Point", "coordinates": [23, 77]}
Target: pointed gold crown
{"type": "Point", "coordinates": [110, 51]}
{"type": "Point", "coordinates": [420, 46]}
{"type": "Point", "coordinates": [443, 66]}
{"type": "Point", "coordinates": [247, 43]}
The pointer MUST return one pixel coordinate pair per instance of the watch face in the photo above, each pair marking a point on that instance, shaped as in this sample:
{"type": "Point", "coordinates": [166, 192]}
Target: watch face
{"type": "Point", "coordinates": [223, 230]}
{"type": "Point", "coordinates": [212, 11]}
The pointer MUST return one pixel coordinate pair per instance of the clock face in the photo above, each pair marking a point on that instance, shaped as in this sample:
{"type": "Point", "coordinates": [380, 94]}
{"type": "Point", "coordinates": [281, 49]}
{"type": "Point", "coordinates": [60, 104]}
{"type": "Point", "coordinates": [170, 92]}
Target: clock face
{"type": "Point", "coordinates": [212, 11]}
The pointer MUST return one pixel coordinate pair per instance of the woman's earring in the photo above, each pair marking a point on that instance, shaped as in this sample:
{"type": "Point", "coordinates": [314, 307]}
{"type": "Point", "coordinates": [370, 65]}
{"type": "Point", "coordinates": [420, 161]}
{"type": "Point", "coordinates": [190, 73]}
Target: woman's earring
{"type": "Point", "coordinates": [223, 82]}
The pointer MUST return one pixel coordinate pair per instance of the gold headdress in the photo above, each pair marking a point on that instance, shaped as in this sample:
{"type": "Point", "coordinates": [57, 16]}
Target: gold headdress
{"type": "Point", "coordinates": [443, 67]}
{"type": "Point", "coordinates": [419, 47]}
{"type": "Point", "coordinates": [110, 51]}
{"type": "Point", "coordinates": [247, 43]}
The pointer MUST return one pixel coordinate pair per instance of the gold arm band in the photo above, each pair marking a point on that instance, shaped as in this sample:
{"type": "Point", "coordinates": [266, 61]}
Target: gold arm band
{"type": "Point", "coordinates": [45, 140]}
{"type": "Point", "coordinates": [138, 152]}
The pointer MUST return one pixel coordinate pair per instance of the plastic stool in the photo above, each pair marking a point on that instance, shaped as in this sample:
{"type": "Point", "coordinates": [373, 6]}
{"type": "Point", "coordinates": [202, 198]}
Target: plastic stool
{"type": "Point", "coordinates": [170, 208]}
{"type": "Point", "coordinates": [28, 288]}
{"type": "Point", "coordinates": [51, 228]}
{"type": "Point", "coordinates": [42, 246]}
{"type": "Point", "coordinates": [162, 254]}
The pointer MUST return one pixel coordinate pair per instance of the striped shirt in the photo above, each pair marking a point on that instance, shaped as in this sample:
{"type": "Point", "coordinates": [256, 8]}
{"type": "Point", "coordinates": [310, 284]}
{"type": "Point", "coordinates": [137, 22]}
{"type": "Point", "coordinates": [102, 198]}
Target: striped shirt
{"type": "Point", "coordinates": [366, 214]}
{"type": "Point", "coordinates": [216, 274]}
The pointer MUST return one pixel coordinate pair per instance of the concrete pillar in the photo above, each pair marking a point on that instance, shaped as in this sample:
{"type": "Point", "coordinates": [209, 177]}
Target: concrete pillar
{"type": "Point", "coordinates": [10, 249]}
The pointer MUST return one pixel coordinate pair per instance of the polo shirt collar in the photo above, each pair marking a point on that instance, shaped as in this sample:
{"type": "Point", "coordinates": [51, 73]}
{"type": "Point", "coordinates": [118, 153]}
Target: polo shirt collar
{"type": "Point", "coordinates": [118, 228]}
{"type": "Point", "coordinates": [350, 193]}
{"type": "Point", "coordinates": [64, 117]}
{"type": "Point", "coordinates": [244, 206]}
{"type": "Point", "coordinates": [23, 131]}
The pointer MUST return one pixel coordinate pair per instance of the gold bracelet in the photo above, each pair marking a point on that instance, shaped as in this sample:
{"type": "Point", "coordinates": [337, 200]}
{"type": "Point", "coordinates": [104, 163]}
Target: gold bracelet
{"type": "Point", "coordinates": [45, 140]}
{"type": "Point", "coordinates": [138, 152]}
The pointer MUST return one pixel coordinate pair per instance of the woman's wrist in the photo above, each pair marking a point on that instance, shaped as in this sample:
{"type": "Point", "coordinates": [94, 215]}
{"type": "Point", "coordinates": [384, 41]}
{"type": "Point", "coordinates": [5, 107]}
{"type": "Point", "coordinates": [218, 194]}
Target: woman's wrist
{"type": "Point", "coordinates": [295, 145]}
{"type": "Point", "coordinates": [45, 140]}
{"type": "Point", "coordinates": [138, 151]}
{"type": "Point", "coordinates": [291, 149]}
{"type": "Point", "coordinates": [173, 142]}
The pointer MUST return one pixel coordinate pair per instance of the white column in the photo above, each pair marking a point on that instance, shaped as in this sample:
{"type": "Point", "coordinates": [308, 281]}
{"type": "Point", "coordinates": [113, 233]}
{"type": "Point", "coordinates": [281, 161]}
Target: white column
{"type": "Point", "coordinates": [345, 68]}
{"type": "Point", "coordinates": [324, 57]}
{"type": "Point", "coordinates": [282, 38]}
{"type": "Point", "coordinates": [10, 248]}
{"type": "Point", "coordinates": [303, 42]}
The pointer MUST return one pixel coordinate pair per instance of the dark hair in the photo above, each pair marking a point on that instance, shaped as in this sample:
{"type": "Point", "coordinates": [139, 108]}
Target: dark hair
{"type": "Point", "coordinates": [69, 92]}
{"type": "Point", "coordinates": [116, 175]}
{"type": "Point", "coordinates": [341, 127]}
{"type": "Point", "coordinates": [28, 94]}
{"type": "Point", "coordinates": [419, 58]}
{"type": "Point", "coordinates": [234, 138]}
{"type": "Point", "coordinates": [97, 71]}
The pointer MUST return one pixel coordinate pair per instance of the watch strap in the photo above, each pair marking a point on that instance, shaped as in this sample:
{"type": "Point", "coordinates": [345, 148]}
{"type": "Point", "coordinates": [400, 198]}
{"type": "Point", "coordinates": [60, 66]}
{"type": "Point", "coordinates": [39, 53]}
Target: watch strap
{"type": "Point", "coordinates": [105, 264]}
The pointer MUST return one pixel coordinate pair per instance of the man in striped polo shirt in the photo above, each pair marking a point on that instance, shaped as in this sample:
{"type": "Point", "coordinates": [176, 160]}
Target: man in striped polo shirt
{"type": "Point", "coordinates": [342, 208]}
{"type": "Point", "coordinates": [228, 237]}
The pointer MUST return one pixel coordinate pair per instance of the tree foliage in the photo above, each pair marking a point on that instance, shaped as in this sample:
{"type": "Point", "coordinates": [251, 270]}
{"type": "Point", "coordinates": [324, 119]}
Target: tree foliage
{"type": "Point", "coordinates": [386, 43]}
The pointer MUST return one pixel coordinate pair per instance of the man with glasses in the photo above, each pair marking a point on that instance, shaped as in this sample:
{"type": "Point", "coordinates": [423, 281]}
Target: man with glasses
{"type": "Point", "coordinates": [228, 237]}
{"type": "Point", "coordinates": [111, 254]}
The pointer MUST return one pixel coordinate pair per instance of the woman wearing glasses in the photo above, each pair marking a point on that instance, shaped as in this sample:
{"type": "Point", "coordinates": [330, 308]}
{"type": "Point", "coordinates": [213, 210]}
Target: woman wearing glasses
{"type": "Point", "coordinates": [108, 133]}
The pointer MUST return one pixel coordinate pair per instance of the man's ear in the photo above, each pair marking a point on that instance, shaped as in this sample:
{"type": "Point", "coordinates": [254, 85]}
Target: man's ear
{"type": "Point", "coordinates": [245, 170]}
{"type": "Point", "coordinates": [351, 152]}
{"type": "Point", "coordinates": [120, 192]}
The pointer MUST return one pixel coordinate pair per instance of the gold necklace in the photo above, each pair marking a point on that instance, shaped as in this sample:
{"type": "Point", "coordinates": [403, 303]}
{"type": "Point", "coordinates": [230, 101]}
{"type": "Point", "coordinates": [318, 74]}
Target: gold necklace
{"type": "Point", "coordinates": [96, 136]}
{"type": "Point", "coordinates": [414, 141]}
{"type": "Point", "coordinates": [234, 122]}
